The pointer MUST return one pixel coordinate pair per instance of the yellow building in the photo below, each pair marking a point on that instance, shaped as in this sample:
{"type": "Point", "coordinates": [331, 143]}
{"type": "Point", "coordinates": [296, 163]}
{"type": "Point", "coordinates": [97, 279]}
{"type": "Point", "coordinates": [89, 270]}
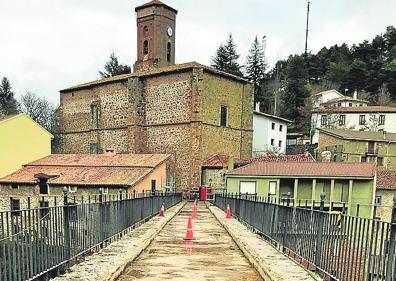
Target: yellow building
{"type": "Point", "coordinates": [22, 140]}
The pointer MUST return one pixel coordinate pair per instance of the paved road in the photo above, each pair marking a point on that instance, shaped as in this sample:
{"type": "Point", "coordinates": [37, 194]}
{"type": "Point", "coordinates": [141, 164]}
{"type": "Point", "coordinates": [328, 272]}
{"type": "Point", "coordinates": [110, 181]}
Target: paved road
{"type": "Point", "coordinates": [212, 256]}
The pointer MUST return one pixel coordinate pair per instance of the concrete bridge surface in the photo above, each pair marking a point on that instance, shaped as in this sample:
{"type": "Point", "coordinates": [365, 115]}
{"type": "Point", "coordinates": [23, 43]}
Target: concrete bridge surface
{"type": "Point", "coordinates": [212, 256]}
{"type": "Point", "coordinates": [224, 249]}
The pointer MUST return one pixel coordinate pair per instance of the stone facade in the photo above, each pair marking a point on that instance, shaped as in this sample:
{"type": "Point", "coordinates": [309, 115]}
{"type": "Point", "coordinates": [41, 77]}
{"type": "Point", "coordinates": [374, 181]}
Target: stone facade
{"type": "Point", "coordinates": [173, 110]}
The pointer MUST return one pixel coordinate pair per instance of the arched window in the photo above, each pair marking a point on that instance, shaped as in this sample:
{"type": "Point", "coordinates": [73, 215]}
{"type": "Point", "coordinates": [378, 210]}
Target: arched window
{"type": "Point", "coordinates": [145, 47]}
{"type": "Point", "coordinates": [169, 51]}
{"type": "Point", "coordinates": [145, 29]}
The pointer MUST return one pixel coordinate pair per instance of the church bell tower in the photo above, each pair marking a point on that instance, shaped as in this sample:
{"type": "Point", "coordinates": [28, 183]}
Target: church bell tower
{"type": "Point", "coordinates": [156, 24]}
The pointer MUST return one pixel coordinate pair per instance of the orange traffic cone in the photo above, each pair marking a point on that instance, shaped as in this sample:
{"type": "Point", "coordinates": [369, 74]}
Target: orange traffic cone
{"type": "Point", "coordinates": [162, 211]}
{"type": "Point", "coordinates": [194, 216]}
{"type": "Point", "coordinates": [189, 234]}
{"type": "Point", "coordinates": [228, 213]}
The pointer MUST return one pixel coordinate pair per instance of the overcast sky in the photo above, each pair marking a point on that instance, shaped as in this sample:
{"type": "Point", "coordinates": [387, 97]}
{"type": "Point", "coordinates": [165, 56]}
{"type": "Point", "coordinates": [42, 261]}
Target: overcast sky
{"type": "Point", "coordinates": [48, 45]}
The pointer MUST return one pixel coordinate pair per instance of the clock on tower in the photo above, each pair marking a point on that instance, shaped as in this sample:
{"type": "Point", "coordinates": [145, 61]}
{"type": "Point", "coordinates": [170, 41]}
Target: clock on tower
{"type": "Point", "coordinates": [156, 24]}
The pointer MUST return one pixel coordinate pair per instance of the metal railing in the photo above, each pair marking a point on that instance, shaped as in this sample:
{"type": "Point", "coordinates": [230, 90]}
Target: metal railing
{"type": "Point", "coordinates": [336, 245]}
{"type": "Point", "coordinates": [35, 242]}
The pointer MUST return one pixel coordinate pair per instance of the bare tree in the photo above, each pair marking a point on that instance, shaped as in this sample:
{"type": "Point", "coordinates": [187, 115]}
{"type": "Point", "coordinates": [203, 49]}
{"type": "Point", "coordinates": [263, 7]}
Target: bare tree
{"type": "Point", "coordinates": [40, 110]}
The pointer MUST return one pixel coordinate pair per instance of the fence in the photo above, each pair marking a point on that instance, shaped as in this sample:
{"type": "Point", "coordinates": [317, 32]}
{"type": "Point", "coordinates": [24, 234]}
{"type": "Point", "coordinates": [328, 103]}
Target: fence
{"type": "Point", "coordinates": [34, 242]}
{"type": "Point", "coordinates": [338, 246]}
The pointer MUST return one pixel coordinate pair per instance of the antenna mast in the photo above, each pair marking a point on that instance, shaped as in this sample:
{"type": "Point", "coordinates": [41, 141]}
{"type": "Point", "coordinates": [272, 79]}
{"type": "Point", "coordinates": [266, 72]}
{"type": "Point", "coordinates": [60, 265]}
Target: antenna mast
{"type": "Point", "coordinates": [307, 28]}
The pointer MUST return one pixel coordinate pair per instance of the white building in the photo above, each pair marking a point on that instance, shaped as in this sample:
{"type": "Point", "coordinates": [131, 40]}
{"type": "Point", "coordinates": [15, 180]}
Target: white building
{"type": "Point", "coordinates": [358, 118]}
{"type": "Point", "coordinates": [269, 133]}
{"type": "Point", "coordinates": [323, 97]}
{"type": "Point", "coordinates": [345, 102]}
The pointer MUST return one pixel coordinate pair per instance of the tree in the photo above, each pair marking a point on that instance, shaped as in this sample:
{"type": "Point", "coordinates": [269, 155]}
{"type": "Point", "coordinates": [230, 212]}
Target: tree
{"type": "Point", "coordinates": [8, 103]}
{"type": "Point", "coordinates": [295, 93]}
{"type": "Point", "coordinates": [113, 68]}
{"type": "Point", "coordinates": [226, 58]}
{"type": "Point", "coordinates": [40, 110]}
{"type": "Point", "coordinates": [255, 68]}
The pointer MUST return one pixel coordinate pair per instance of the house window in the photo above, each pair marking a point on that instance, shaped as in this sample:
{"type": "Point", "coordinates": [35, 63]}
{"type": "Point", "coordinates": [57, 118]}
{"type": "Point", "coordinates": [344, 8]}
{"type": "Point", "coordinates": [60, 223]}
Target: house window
{"type": "Point", "coordinates": [247, 187]}
{"type": "Point", "coordinates": [363, 159]}
{"type": "Point", "coordinates": [362, 119]}
{"type": "Point", "coordinates": [44, 210]}
{"type": "Point", "coordinates": [94, 116]}
{"type": "Point", "coordinates": [380, 161]}
{"type": "Point", "coordinates": [273, 126]}
{"type": "Point", "coordinates": [14, 186]}
{"type": "Point", "coordinates": [339, 104]}
{"type": "Point", "coordinates": [272, 142]}
{"type": "Point", "coordinates": [280, 128]}
{"type": "Point", "coordinates": [341, 121]}
{"type": "Point", "coordinates": [350, 104]}
{"type": "Point", "coordinates": [272, 188]}
{"type": "Point", "coordinates": [93, 148]}
{"type": "Point", "coordinates": [145, 29]}
{"type": "Point", "coordinates": [280, 144]}
{"type": "Point", "coordinates": [169, 51]}
{"type": "Point", "coordinates": [223, 116]}
{"type": "Point", "coordinates": [15, 207]}
{"type": "Point", "coordinates": [153, 185]}
{"type": "Point", "coordinates": [323, 120]}
{"type": "Point", "coordinates": [381, 120]}
{"type": "Point", "coordinates": [378, 200]}
{"type": "Point", "coordinates": [145, 47]}
{"type": "Point", "coordinates": [44, 189]}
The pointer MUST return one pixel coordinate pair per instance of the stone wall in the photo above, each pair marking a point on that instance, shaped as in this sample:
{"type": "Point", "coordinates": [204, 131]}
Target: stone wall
{"type": "Point", "coordinates": [176, 113]}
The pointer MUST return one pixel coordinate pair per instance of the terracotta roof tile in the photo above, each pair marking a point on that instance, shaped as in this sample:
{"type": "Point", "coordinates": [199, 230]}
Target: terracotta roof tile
{"type": "Point", "coordinates": [386, 179]}
{"type": "Point", "coordinates": [216, 161]}
{"type": "Point", "coordinates": [307, 169]}
{"type": "Point", "coordinates": [277, 158]}
{"type": "Point", "coordinates": [61, 175]}
{"type": "Point", "coordinates": [102, 160]}
{"type": "Point", "coordinates": [357, 109]}
{"type": "Point", "coordinates": [86, 169]}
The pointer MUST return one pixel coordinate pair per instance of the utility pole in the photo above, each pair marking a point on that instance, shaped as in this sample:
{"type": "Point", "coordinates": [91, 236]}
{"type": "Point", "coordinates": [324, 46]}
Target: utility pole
{"type": "Point", "coordinates": [307, 28]}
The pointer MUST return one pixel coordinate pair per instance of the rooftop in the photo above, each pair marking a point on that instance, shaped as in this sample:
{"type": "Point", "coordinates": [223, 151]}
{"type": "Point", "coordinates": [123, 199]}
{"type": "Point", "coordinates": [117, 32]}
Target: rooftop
{"type": "Point", "coordinates": [90, 170]}
{"type": "Point", "coordinates": [102, 160]}
{"type": "Point", "coordinates": [6, 117]}
{"type": "Point", "coordinates": [216, 161]}
{"type": "Point", "coordinates": [272, 116]}
{"type": "Point", "coordinates": [326, 92]}
{"type": "Point", "coordinates": [345, 98]}
{"type": "Point", "coordinates": [307, 169]}
{"type": "Point", "coordinates": [386, 179]}
{"type": "Point", "coordinates": [154, 3]}
{"type": "Point", "coordinates": [153, 72]}
{"type": "Point", "coordinates": [356, 109]}
{"type": "Point", "coordinates": [360, 135]}
{"type": "Point", "coordinates": [269, 157]}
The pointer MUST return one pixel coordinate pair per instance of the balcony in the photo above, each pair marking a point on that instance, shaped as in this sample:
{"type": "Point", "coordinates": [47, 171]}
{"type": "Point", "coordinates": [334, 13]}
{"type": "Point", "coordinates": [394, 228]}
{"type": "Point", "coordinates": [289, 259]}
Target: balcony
{"type": "Point", "coordinates": [372, 151]}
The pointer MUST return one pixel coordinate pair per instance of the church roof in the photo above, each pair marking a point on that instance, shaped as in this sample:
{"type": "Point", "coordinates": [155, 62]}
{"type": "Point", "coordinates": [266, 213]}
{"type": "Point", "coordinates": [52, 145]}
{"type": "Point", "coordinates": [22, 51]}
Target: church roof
{"type": "Point", "coordinates": [154, 72]}
{"type": "Point", "coordinates": [154, 3]}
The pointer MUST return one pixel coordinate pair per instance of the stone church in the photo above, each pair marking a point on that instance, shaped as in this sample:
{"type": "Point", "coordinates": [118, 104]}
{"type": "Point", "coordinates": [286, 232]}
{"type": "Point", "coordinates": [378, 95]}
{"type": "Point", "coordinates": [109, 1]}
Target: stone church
{"type": "Point", "coordinates": [189, 110]}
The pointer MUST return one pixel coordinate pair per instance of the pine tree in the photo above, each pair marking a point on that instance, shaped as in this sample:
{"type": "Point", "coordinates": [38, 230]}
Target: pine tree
{"type": "Point", "coordinates": [226, 58]}
{"type": "Point", "coordinates": [295, 94]}
{"type": "Point", "coordinates": [255, 68]}
{"type": "Point", "coordinates": [8, 103]}
{"type": "Point", "coordinates": [114, 68]}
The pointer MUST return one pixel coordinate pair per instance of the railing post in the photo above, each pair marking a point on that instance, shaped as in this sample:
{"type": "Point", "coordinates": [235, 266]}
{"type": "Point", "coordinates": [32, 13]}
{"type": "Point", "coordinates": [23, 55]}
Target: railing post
{"type": "Point", "coordinates": [390, 274]}
{"type": "Point", "coordinates": [101, 210]}
{"type": "Point", "coordinates": [319, 236]}
{"type": "Point", "coordinates": [288, 199]}
{"type": "Point", "coordinates": [66, 225]}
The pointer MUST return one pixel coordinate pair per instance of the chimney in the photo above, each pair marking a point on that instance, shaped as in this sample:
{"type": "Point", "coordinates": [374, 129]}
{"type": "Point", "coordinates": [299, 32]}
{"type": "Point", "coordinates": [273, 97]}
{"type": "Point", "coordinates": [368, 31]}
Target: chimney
{"type": "Point", "coordinates": [257, 106]}
{"type": "Point", "coordinates": [110, 152]}
{"type": "Point", "coordinates": [306, 153]}
{"type": "Point", "coordinates": [355, 95]}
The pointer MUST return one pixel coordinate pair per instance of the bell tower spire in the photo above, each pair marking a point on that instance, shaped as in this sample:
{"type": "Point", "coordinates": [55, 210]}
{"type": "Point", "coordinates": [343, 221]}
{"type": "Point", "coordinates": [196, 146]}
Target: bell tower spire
{"type": "Point", "coordinates": [156, 24]}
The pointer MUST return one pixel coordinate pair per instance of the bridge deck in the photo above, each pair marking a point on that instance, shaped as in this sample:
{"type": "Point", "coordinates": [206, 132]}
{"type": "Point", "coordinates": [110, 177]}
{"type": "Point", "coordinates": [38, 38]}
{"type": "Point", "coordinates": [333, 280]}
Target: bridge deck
{"type": "Point", "coordinates": [212, 256]}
